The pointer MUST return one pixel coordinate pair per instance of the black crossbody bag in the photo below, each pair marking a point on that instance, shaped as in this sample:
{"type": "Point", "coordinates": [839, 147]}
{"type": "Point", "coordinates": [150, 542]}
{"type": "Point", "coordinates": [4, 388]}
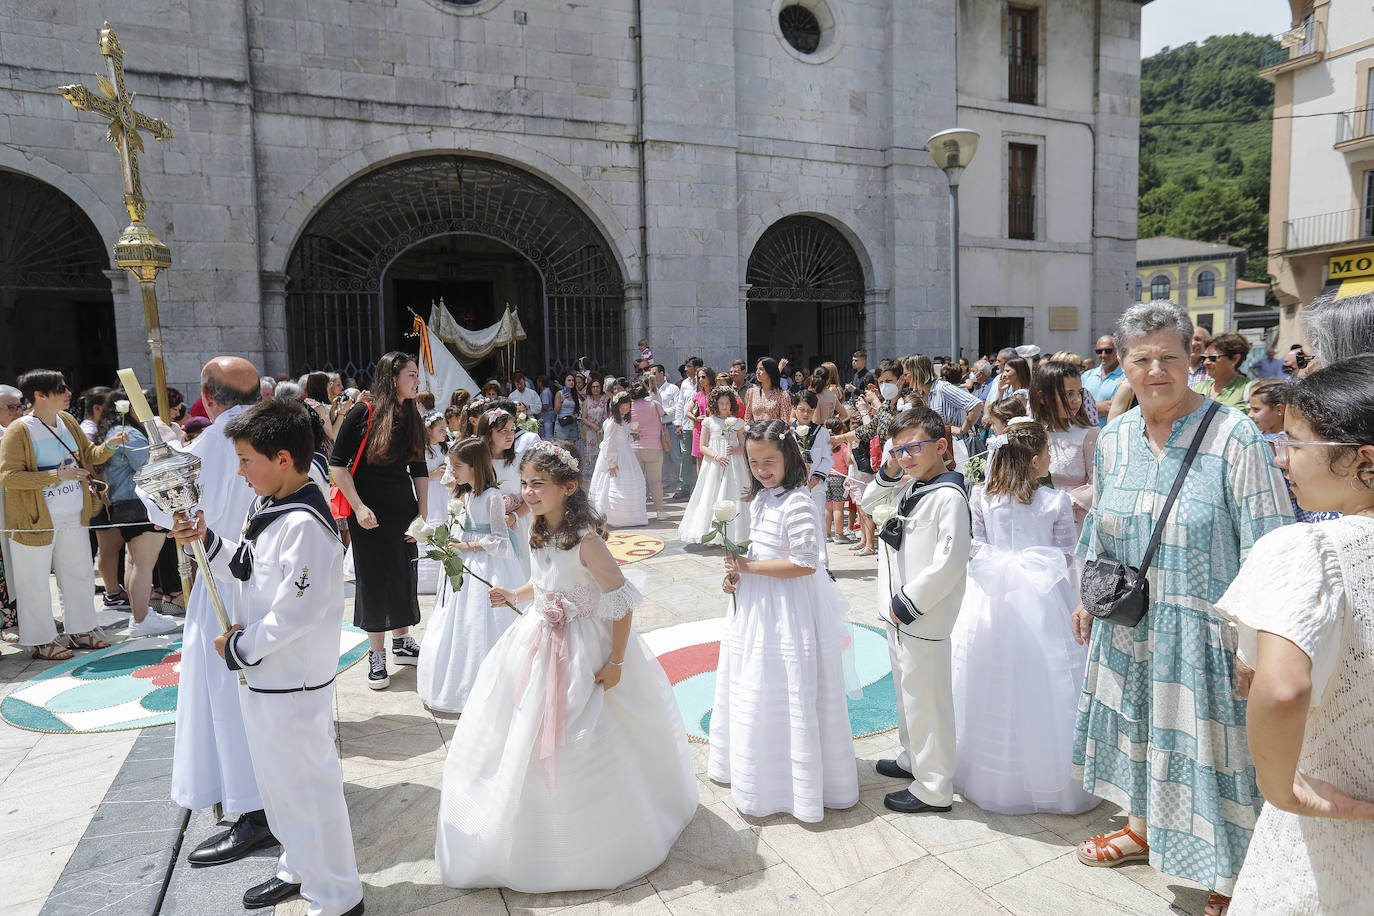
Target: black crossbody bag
{"type": "Point", "coordinates": [1116, 592]}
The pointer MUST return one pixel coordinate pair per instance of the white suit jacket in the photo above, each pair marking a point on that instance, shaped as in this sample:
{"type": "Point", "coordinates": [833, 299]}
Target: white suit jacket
{"type": "Point", "coordinates": [930, 570]}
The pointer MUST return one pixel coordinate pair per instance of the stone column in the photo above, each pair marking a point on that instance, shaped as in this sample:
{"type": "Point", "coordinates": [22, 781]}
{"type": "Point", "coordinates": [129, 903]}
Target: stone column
{"type": "Point", "coordinates": [131, 333]}
{"type": "Point", "coordinates": [634, 325]}
{"type": "Point", "coordinates": [878, 324]}
{"type": "Point", "coordinates": [273, 291]}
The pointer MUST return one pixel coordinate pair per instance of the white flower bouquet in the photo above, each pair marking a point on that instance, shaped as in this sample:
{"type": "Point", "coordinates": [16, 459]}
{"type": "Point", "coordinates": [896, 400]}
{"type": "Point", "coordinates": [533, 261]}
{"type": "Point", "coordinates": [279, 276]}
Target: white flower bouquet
{"type": "Point", "coordinates": [440, 550]}
{"type": "Point", "coordinates": [725, 512]}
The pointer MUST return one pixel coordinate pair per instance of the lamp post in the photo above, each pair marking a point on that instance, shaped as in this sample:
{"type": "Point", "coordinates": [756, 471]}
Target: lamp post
{"type": "Point", "coordinates": [952, 151]}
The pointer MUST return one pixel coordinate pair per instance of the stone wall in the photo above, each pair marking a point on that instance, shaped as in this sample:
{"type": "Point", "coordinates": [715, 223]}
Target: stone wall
{"type": "Point", "coordinates": [276, 106]}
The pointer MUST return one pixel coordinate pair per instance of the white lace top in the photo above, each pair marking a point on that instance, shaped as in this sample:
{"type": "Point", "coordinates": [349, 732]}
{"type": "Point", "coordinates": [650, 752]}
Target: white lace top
{"type": "Point", "coordinates": [565, 589]}
{"type": "Point", "coordinates": [1314, 586]}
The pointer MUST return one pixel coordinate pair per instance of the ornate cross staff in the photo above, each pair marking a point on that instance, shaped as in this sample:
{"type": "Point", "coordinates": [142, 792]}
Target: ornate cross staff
{"type": "Point", "coordinates": [138, 250]}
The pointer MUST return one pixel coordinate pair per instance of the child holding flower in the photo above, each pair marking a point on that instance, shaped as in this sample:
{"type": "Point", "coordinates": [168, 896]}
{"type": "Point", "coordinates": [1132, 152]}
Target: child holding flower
{"type": "Point", "coordinates": [724, 471]}
{"type": "Point", "coordinates": [780, 731]}
{"type": "Point", "coordinates": [464, 625]}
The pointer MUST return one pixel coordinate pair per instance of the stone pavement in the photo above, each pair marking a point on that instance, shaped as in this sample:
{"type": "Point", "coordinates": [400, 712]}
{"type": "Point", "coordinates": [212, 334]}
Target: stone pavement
{"type": "Point", "coordinates": [60, 800]}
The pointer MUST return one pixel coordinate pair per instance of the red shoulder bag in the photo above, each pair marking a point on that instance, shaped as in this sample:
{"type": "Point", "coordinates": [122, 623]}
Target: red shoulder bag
{"type": "Point", "coordinates": [339, 506]}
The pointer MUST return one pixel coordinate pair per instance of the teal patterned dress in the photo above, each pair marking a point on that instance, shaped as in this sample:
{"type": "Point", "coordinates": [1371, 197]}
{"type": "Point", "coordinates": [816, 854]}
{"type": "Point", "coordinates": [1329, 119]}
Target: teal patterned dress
{"type": "Point", "coordinates": [1160, 730]}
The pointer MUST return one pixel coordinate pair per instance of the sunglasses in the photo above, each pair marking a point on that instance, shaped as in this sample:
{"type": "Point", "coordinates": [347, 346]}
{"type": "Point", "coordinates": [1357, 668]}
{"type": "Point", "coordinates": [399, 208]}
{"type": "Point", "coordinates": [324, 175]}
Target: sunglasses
{"type": "Point", "coordinates": [1106, 349]}
{"type": "Point", "coordinates": [1211, 358]}
{"type": "Point", "coordinates": [913, 448]}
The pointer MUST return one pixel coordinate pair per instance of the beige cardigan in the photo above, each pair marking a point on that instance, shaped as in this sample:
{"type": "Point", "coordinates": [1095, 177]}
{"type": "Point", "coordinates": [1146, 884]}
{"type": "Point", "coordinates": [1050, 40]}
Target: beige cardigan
{"type": "Point", "coordinates": [25, 508]}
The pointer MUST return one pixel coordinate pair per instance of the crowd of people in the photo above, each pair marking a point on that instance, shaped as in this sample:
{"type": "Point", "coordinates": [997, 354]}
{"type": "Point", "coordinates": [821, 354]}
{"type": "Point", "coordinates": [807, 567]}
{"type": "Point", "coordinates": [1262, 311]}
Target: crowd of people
{"type": "Point", "coordinates": [1016, 507]}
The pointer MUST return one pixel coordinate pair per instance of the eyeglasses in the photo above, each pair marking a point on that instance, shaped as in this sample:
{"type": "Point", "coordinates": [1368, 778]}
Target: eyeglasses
{"type": "Point", "coordinates": [1283, 444]}
{"type": "Point", "coordinates": [14, 408]}
{"type": "Point", "coordinates": [1301, 359]}
{"type": "Point", "coordinates": [1212, 357]}
{"type": "Point", "coordinates": [61, 389]}
{"type": "Point", "coordinates": [1106, 349]}
{"type": "Point", "coordinates": [911, 448]}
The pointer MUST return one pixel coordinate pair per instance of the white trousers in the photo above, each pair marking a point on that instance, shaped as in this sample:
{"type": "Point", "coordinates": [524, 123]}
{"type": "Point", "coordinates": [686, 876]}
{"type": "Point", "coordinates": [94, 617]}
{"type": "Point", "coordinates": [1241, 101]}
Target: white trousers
{"type": "Point", "coordinates": [69, 556]}
{"type": "Point", "coordinates": [817, 494]}
{"type": "Point", "coordinates": [291, 738]}
{"type": "Point", "coordinates": [925, 714]}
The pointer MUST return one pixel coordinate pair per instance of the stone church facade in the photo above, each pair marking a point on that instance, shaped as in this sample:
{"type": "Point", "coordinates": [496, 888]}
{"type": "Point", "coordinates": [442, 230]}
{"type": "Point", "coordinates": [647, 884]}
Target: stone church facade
{"type": "Point", "coordinates": [723, 177]}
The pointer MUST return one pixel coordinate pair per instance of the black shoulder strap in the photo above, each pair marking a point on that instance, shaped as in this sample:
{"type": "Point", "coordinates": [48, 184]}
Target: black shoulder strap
{"type": "Point", "coordinates": [1158, 534]}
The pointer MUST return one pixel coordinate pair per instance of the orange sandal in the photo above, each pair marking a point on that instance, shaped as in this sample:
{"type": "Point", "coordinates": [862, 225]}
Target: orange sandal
{"type": "Point", "coordinates": [87, 641]}
{"type": "Point", "coordinates": [1217, 904]}
{"type": "Point", "coordinates": [1106, 854]}
{"type": "Point", "coordinates": [52, 652]}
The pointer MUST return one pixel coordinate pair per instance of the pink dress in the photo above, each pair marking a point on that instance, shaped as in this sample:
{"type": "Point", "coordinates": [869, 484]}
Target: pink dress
{"type": "Point", "coordinates": [703, 410]}
{"type": "Point", "coordinates": [771, 405]}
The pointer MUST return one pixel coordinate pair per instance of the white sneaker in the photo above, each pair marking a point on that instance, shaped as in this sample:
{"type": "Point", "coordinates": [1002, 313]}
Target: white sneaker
{"type": "Point", "coordinates": [154, 624]}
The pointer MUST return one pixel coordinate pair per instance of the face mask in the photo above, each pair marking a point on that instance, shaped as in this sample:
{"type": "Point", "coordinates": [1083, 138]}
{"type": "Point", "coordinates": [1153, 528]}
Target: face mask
{"type": "Point", "coordinates": [888, 390]}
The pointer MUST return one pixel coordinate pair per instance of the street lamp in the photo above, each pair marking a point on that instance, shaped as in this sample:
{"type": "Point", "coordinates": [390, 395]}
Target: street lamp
{"type": "Point", "coordinates": [952, 151]}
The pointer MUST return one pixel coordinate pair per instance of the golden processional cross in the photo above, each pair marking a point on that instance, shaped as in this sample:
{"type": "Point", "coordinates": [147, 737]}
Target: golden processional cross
{"type": "Point", "coordinates": [138, 250]}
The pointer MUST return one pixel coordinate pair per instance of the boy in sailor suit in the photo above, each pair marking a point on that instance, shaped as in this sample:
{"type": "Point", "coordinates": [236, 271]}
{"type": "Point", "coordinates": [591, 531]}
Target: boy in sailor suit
{"type": "Point", "coordinates": [814, 440]}
{"type": "Point", "coordinates": [922, 515]}
{"type": "Point", "coordinates": [287, 569]}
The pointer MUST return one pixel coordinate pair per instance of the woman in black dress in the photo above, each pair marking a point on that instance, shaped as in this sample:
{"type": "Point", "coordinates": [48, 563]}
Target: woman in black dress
{"type": "Point", "coordinates": [387, 489]}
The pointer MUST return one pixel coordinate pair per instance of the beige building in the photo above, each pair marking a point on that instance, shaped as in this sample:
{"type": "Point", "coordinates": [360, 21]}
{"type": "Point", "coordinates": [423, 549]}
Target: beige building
{"type": "Point", "coordinates": [1321, 195]}
{"type": "Point", "coordinates": [1199, 276]}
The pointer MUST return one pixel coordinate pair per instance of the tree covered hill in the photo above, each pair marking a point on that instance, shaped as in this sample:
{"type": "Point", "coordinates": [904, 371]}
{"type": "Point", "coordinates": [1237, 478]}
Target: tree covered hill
{"type": "Point", "coordinates": [1205, 126]}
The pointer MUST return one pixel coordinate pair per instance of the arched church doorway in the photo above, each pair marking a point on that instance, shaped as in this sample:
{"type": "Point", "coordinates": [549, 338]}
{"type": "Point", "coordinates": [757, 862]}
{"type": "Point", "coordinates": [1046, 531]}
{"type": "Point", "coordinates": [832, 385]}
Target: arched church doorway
{"type": "Point", "coordinates": [55, 302]}
{"type": "Point", "coordinates": [477, 232]}
{"type": "Point", "coordinates": [806, 294]}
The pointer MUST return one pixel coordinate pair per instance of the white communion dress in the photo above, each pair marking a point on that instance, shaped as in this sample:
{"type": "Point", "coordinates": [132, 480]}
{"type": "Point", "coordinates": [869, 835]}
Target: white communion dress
{"type": "Point", "coordinates": [716, 483]}
{"type": "Point", "coordinates": [553, 783]}
{"type": "Point", "coordinates": [464, 626]}
{"type": "Point", "coordinates": [780, 731]}
{"type": "Point", "coordinates": [1017, 669]}
{"type": "Point", "coordinates": [428, 572]}
{"type": "Point", "coordinates": [618, 496]}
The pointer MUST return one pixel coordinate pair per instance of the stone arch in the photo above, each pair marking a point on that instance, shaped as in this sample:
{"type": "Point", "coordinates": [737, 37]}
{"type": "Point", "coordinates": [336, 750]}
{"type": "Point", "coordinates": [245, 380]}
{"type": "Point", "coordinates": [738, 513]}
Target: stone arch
{"type": "Point", "coordinates": [755, 226]}
{"type": "Point", "coordinates": [102, 214]}
{"type": "Point", "coordinates": [805, 292]}
{"type": "Point", "coordinates": [338, 315]}
{"type": "Point", "coordinates": [356, 165]}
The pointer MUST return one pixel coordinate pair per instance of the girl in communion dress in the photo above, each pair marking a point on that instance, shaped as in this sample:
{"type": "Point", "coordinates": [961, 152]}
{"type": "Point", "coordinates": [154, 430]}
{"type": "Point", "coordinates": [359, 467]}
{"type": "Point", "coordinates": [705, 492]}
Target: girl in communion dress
{"type": "Point", "coordinates": [570, 769]}
{"type": "Point", "coordinates": [780, 731]}
{"type": "Point", "coordinates": [1017, 669]}
{"type": "Point", "coordinates": [724, 473]}
{"type": "Point", "coordinates": [465, 625]}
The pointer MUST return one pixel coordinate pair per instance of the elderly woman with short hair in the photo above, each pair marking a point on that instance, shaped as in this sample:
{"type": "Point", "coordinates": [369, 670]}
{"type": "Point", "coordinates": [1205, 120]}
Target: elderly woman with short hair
{"type": "Point", "coordinates": [1336, 329]}
{"type": "Point", "coordinates": [1161, 728]}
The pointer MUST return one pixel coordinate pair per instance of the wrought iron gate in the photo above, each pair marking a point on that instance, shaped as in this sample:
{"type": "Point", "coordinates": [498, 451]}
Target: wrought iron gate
{"type": "Point", "coordinates": [336, 319]}
{"type": "Point", "coordinates": [804, 259]}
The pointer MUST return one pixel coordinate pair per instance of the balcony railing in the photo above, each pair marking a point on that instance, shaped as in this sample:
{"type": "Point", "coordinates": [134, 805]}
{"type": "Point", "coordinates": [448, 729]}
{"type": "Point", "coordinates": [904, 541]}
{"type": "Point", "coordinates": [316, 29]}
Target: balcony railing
{"type": "Point", "coordinates": [1021, 216]}
{"type": "Point", "coordinates": [1355, 124]}
{"type": "Point", "coordinates": [1021, 76]}
{"type": "Point", "coordinates": [1305, 39]}
{"type": "Point", "coordinates": [1329, 228]}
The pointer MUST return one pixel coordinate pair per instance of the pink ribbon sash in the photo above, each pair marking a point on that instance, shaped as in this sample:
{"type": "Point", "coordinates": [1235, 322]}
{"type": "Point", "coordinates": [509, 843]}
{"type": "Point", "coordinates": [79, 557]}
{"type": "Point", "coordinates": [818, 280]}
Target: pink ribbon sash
{"type": "Point", "coordinates": [553, 724]}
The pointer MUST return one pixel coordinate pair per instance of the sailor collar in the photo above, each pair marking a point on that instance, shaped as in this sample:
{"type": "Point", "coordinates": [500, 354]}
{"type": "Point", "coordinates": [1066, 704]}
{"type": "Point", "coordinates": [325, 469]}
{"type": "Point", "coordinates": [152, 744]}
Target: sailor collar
{"type": "Point", "coordinates": [266, 509]}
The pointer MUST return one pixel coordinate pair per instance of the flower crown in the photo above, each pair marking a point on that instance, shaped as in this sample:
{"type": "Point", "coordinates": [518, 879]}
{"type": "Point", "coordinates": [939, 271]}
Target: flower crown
{"type": "Point", "coordinates": [1020, 421]}
{"type": "Point", "coordinates": [558, 451]}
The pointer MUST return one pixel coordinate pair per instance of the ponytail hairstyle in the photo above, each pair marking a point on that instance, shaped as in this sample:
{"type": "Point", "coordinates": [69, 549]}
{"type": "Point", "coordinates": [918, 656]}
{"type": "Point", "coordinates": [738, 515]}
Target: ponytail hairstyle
{"type": "Point", "coordinates": [1011, 464]}
{"type": "Point", "coordinates": [561, 466]}
{"type": "Point", "coordinates": [473, 452]}
{"type": "Point", "coordinates": [489, 421]}
{"type": "Point", "coordinates": [395, 423]}
{"type": "Point", "coordinates": [794, 472]}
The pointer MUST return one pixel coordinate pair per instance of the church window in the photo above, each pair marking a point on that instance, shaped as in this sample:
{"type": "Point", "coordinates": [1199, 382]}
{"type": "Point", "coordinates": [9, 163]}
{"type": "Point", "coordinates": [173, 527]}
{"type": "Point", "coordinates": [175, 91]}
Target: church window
{"type": "Point", "coordinates": [800, 28]}
{"type": "Point", "coordinates": [1206, 284]}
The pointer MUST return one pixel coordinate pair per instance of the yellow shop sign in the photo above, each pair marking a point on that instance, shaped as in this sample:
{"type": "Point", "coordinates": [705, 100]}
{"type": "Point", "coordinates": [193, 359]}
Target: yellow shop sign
{"type": "Point", "coordinates": [1345, 266]}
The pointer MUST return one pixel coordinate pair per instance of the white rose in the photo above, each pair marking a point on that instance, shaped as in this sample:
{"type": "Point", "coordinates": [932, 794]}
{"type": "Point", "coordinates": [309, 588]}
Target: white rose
{"type": "Point", "coordinates": [121, 406]}
{"type": "Point", "coordinates": [803, 430]}
{"type": "Point", "coordinates": [420, 529]}
{"type": "Point", "coordinates": [883, 514]}
{"type": "Point", "coordinates": [725, 511]}
{"type": "Point", "coordinates": [634, 427]}
{"type": "Point", "coordinates": [455, 507]}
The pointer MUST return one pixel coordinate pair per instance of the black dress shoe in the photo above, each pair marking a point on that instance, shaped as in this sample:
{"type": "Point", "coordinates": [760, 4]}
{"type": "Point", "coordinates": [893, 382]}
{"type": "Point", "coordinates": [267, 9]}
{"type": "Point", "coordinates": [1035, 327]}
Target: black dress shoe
{"type": "Point", "coordinates": [269, 893]}
{"type": "Point", "coordinates": [907, 803]}
{"type": "Point", "coordinates": [356, 911]}
{"type": "Point", "coordinates": [892, 770]}
{"type": "Point", "coordinates": [249, 833]}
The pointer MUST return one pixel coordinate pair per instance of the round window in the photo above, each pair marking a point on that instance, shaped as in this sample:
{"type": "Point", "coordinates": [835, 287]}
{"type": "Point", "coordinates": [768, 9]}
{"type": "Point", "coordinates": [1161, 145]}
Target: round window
{"type": "Point", "coordinates": [800, 28]}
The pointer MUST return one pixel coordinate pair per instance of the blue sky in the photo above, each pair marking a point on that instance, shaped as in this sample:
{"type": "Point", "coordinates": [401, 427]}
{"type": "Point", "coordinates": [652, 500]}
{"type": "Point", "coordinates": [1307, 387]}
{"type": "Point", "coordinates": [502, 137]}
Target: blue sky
{"type": "Point", "coordinates": [1170, 23]}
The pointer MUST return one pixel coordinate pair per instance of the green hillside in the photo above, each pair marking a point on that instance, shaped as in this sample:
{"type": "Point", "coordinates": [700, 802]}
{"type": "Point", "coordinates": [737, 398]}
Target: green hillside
{"type": "Point", "coordinates": [1207, 177]}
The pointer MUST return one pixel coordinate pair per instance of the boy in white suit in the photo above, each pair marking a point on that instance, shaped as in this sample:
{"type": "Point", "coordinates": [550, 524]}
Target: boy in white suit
{"type": "Point", "coordinates": [288, 578]}
{"type": "Point", "coordinates": [922, 514]}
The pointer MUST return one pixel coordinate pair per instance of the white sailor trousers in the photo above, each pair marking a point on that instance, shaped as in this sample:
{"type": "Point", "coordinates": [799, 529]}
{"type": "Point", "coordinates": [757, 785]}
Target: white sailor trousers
{"type": "Point", "coordinates": [291, 740]}
{"type": "Point", "coordinates": [925, 714]}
